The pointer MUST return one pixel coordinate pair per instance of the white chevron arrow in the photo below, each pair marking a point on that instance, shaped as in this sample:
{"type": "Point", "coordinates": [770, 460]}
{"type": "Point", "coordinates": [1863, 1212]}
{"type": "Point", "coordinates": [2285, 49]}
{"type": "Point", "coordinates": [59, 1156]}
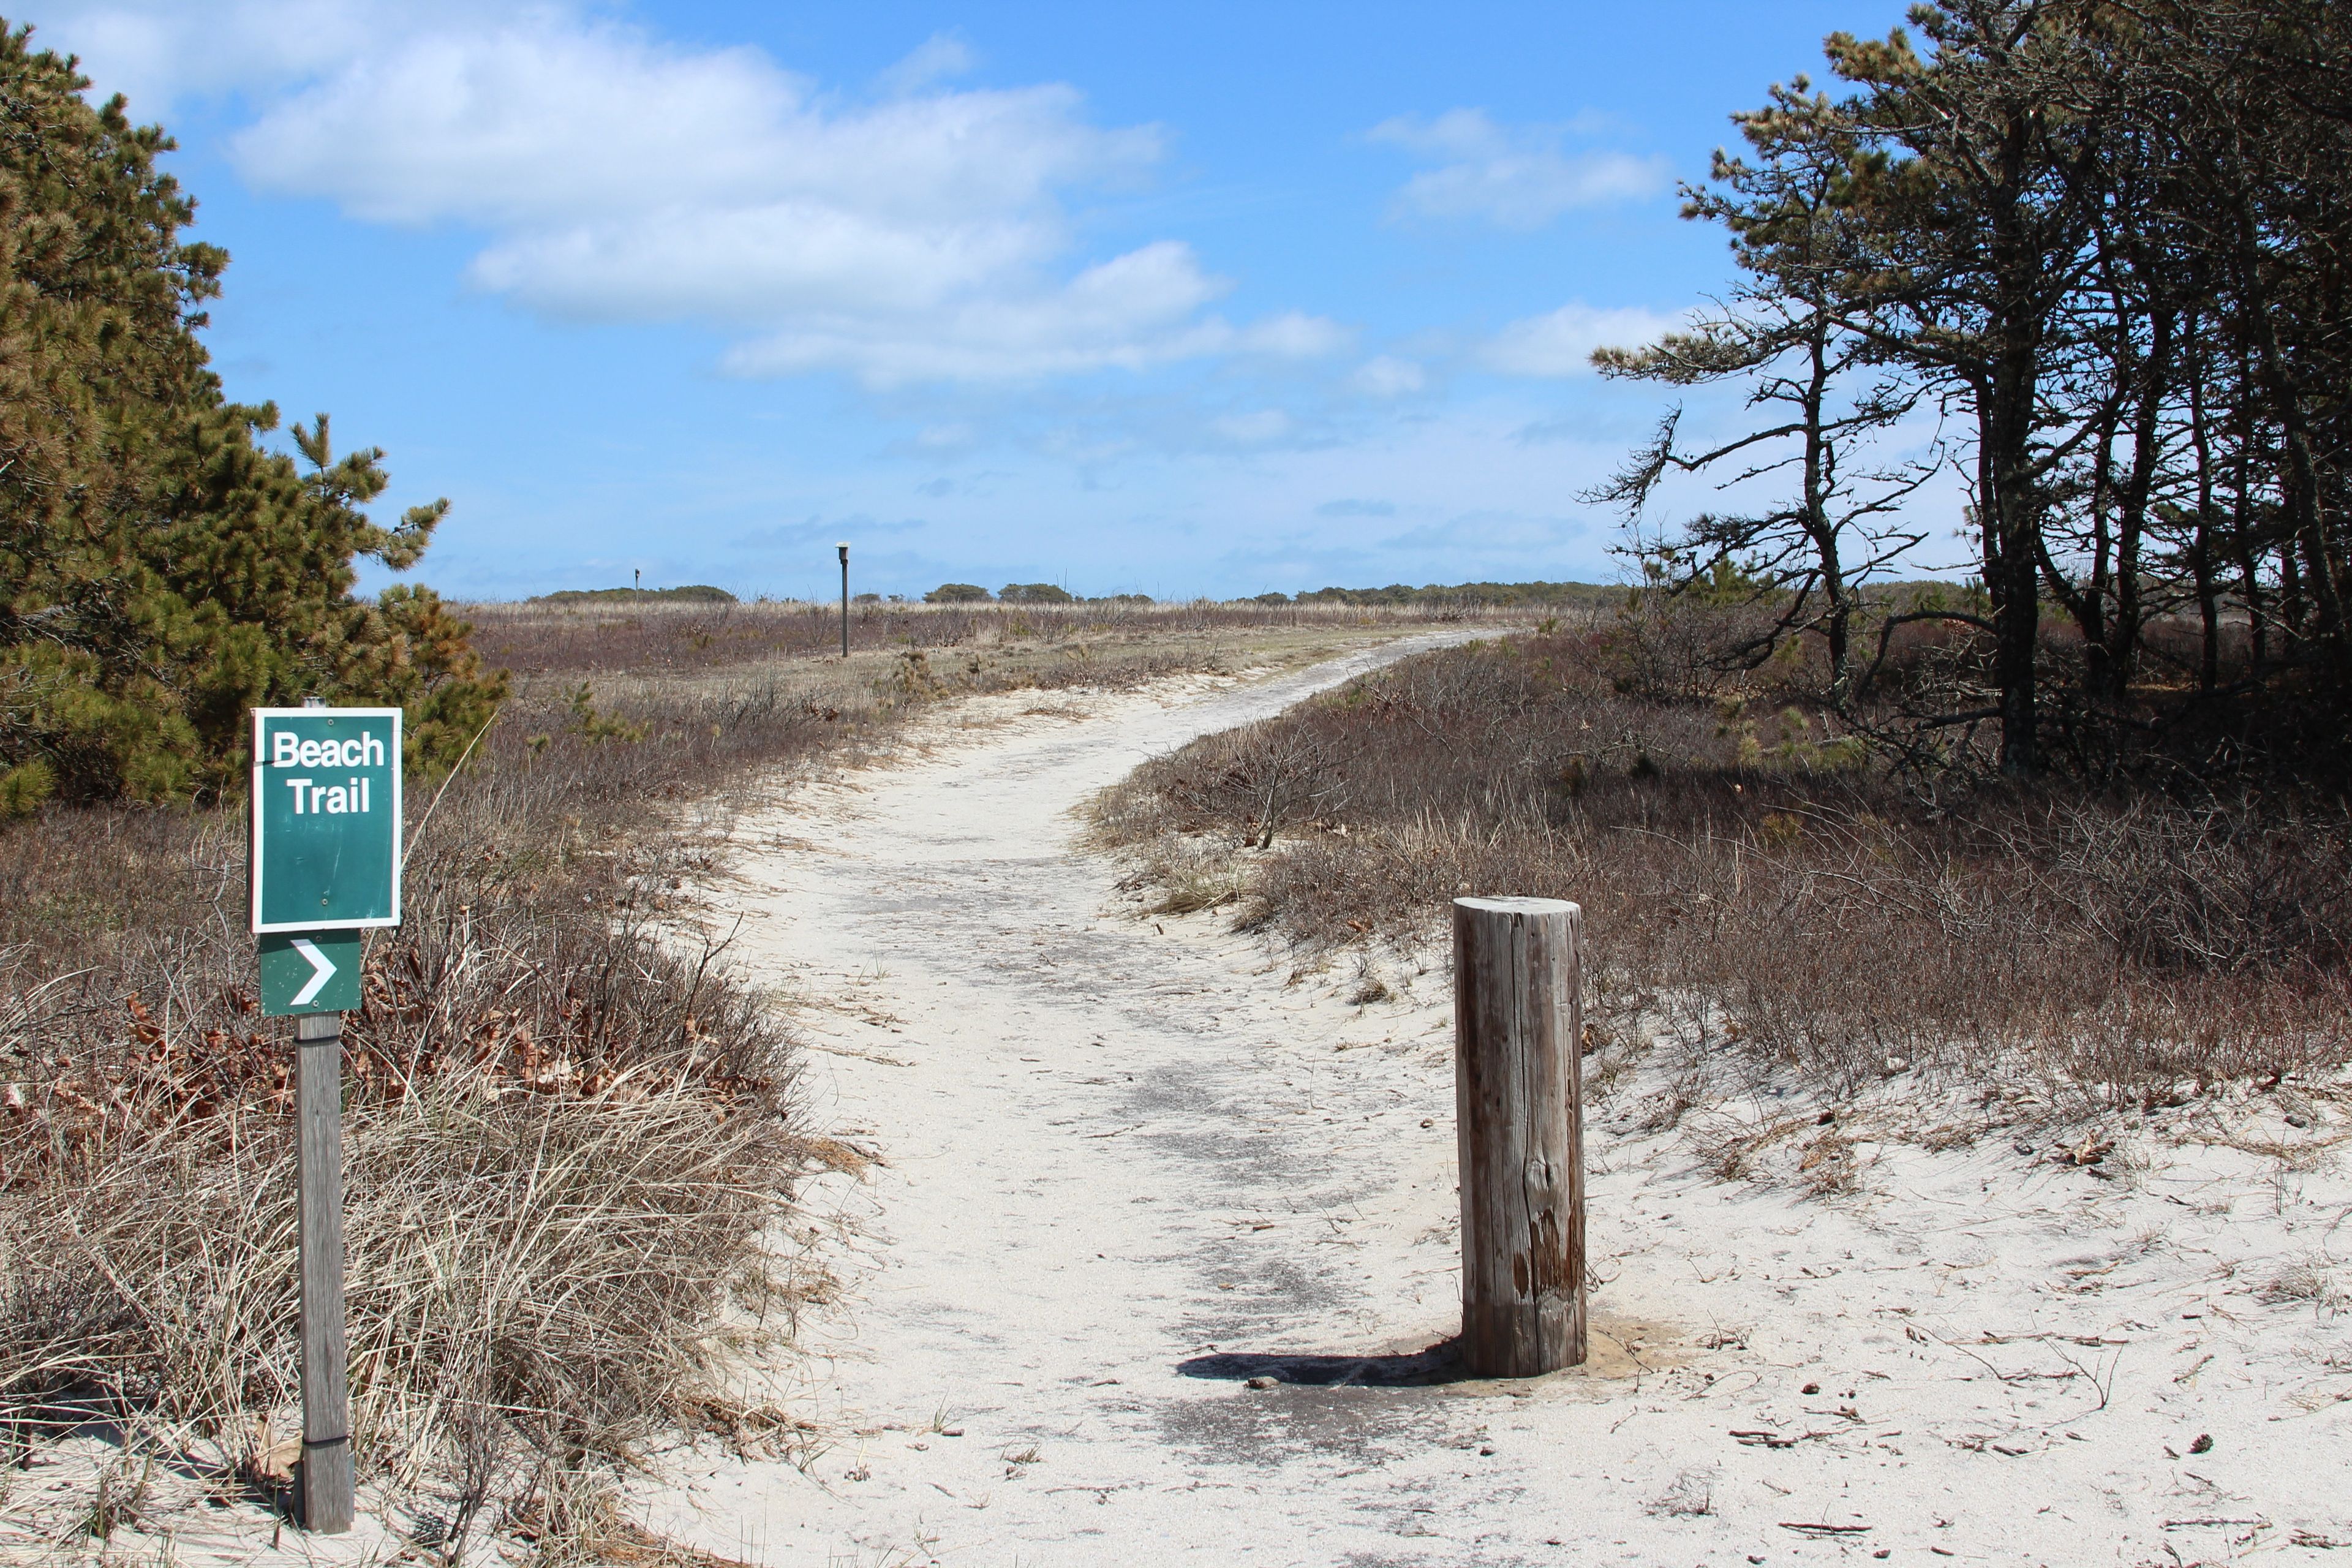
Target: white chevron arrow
{"type": "Point", "coordinates": [319, 962]}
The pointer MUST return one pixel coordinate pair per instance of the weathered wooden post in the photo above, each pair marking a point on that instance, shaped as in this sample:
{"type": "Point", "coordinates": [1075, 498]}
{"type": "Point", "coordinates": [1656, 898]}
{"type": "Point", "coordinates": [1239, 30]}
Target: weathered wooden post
{"type": "Point", "coordinates": [327, 1491]}
{"type": "Point", "coordinates": [1518, 1124]}
{"type": "Point", "coordinates": [844, 547]}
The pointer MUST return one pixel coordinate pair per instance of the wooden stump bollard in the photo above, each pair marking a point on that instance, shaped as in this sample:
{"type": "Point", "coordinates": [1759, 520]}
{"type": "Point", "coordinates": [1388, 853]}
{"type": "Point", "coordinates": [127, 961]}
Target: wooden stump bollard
{"type": "Point", "coordinates": [1520, 1127]}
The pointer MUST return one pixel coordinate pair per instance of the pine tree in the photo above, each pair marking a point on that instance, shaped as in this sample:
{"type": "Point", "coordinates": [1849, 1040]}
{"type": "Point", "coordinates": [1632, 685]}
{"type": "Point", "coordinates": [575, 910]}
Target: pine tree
{"type": "Point", "coordinates": [1822, 404]}
{"type": "Point", "coordinates": [160, 569]}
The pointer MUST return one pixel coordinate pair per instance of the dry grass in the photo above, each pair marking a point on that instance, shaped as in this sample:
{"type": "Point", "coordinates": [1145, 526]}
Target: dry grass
{"type": "Point", "coordinates": [571, 1135]}
{"type": "Point", "coordinates": [535, 639]}
{"type": "Point", "coordinates": [1761, 891]}
{"type": "Point", "coordinates": [2312, 1281]}
{"type": "Point", "coordinates": [557, 1206]}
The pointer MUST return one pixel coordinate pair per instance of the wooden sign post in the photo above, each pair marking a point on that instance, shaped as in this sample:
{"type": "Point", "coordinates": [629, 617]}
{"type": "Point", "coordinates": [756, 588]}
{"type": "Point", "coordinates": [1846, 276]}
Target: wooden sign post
{"type": "Point", "coordinates": [326, 1489]}
{"type": "Point", "coordinates": [1519, 1125]}
{"type": "Point", "coordinates": [325, 868]}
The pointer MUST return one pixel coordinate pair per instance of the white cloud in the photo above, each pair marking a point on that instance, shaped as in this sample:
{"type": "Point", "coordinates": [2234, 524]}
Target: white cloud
{"type": "Point", "coordinates": [1253, 428]}
{"type": "Point", "coordinates": [1560, 342]}
{"type": "Point", "coordinates": [1388, 376]}
{"type": "Point", "coordinates": [942, 57]}
{"type": "Point", "coordinates": [160, 52]}
{"type": "Point", "coordinates": [925, 235]}
{"type": "Point", "coordinates": [1292, 334]}
{"type": "Point", "coordinates": [1133, 312]}
{"type": "Point", "coordinates": [1517, 176]}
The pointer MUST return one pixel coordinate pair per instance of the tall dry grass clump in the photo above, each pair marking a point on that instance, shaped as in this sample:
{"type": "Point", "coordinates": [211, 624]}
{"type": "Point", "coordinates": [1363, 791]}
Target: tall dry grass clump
{"type": "Point", "coordinates": [561, 1192]}
{"type": "Point", "coordinates": [570, 1154]}
{"type": "Point", "coordinates": [1763, 887]}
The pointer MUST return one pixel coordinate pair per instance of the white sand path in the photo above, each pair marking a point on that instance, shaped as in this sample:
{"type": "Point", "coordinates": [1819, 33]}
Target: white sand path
{"type": "Point", "coordinates": [1130, 1164]}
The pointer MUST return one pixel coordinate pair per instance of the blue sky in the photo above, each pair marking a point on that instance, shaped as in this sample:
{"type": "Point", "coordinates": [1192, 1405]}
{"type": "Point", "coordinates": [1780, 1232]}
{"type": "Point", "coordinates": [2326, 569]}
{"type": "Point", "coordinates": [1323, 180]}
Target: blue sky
{"type": "Point", "coordinates": [1196, 298]}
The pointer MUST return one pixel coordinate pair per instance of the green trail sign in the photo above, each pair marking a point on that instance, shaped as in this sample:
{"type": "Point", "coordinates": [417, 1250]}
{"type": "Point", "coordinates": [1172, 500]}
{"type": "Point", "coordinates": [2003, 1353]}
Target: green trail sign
{"type": "Point", "coordinates": [326, 825]}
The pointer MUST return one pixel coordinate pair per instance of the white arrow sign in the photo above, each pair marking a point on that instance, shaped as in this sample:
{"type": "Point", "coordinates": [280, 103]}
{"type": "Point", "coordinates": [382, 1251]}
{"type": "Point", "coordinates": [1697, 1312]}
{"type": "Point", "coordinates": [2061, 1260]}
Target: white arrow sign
{"type": "Point", "coordinates": [319, 962]}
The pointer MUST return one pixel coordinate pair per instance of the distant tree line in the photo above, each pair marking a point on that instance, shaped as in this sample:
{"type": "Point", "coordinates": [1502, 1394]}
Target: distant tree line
{"type": "Point", "coordinates": [2104, 249]}
{"type": "Point", "coordinates": [1395, 593]}
{"type": "Point", "coordinates": [1022, 594]}
{"type": "Point", "coordinates": [160, 570]}
{"type": "Point", "coordinates": [688, 594]}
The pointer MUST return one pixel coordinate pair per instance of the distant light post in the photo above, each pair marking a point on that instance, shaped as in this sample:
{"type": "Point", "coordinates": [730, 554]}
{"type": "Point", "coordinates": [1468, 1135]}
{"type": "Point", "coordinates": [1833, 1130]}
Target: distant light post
{"type": "Point", "coordinates": [844, 598]}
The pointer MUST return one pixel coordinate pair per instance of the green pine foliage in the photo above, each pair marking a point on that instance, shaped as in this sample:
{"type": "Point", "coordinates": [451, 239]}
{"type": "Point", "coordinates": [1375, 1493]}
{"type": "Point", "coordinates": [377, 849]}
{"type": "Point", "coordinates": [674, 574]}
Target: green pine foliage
{"type": "Point", "coordinates": [161, 572]}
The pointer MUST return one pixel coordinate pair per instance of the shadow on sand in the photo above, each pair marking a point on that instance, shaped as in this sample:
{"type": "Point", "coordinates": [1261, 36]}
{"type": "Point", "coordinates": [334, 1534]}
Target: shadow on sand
{"type": "Point", "coordinates": [1440, 1362]}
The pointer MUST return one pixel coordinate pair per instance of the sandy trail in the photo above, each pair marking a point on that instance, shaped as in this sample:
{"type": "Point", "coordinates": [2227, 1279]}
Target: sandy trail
{"type": "Point", "coordinates": [1130, 1164]}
